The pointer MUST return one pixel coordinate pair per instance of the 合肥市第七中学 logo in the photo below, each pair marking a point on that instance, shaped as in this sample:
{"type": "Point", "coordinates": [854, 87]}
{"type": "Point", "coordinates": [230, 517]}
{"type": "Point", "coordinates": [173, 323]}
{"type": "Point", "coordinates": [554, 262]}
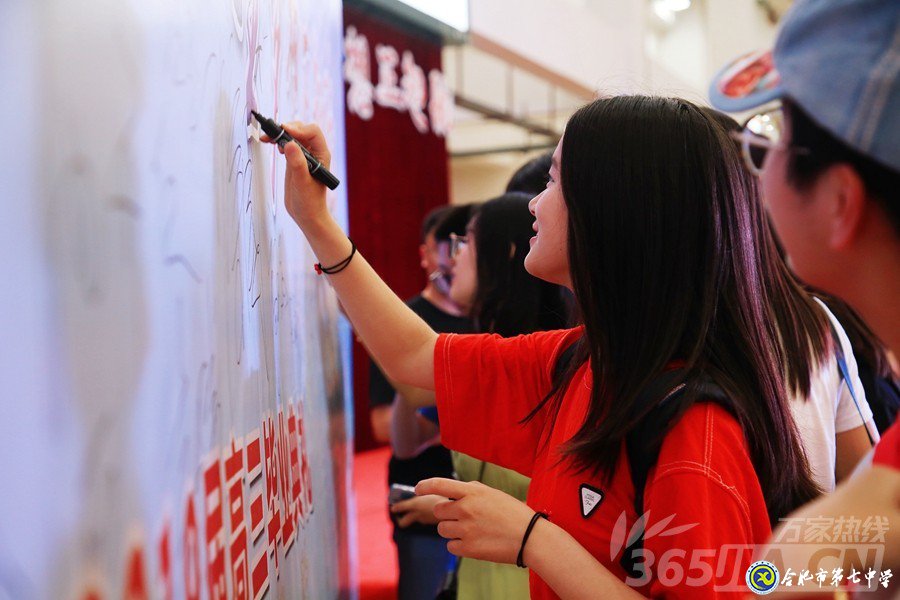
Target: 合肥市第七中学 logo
{"type": "Point", "coordinates": [762, 577]}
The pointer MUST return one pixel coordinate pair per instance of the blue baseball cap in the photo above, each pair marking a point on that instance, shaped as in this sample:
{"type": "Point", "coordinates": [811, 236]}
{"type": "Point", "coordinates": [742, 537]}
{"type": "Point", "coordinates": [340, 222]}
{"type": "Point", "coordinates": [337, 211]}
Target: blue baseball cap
{"type": "Point", "coordinates": [839, 60]}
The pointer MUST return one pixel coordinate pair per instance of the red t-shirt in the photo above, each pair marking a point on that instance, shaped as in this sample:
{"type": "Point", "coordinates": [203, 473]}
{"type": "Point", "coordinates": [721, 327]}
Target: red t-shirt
{"type": "Point", "coordinates": [887, 452]}
{"type": "Point", "coordinates": [486, 384]}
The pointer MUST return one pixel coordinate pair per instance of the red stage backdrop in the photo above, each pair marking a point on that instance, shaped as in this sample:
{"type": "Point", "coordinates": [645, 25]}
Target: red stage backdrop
{"type": "Point", "coordinates": [397, 112]}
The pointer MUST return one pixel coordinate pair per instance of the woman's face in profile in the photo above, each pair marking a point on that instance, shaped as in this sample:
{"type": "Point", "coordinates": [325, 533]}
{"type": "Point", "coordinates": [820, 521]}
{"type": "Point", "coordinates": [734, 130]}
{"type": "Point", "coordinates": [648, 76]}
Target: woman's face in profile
{"type": "Point", "coordinates": [798, 216]}
{"type": "Point", "coordinates": [548, 258]}
{"type": "Point", "coordinates": [465, 271]}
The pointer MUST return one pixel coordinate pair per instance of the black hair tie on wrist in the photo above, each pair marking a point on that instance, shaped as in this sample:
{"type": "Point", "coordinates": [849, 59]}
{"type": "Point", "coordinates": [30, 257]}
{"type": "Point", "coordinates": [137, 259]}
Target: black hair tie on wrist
{"type": "Point", "coordinates": [339, 266]}
{"type": "Point", "coordinates": [534, 519]}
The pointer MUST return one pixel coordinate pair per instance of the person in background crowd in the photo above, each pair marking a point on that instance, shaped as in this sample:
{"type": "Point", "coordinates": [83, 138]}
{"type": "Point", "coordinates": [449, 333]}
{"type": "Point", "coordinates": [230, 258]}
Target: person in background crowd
{"type": "Point", "coordinates": [434, 257]}
{"type": "Point", "coordinates": [826, 142]}
{"type": "Point", "coordinates": [533, 176]}
{"type": "Point", "coordinates": [492, 286]}
{"type": "Point", "coordinates": [422, 554]}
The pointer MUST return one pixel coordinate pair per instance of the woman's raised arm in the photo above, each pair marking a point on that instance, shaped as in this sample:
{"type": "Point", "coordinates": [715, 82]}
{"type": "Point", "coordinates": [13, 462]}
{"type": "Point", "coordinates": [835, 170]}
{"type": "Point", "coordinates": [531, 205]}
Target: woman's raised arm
{"type": "Point", "coordinates": [395, 336]}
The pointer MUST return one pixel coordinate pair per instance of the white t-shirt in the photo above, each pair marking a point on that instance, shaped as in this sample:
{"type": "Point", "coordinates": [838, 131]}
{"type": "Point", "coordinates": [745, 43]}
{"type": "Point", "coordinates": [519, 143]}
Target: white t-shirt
{"type": "Point", "coordinates": [829, 410]}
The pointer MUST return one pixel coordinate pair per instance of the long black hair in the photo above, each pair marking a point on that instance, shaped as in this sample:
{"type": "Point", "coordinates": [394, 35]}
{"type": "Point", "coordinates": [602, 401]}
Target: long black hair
{"type": "Point", "coordinates": [803, 328]}
{"type": "Point", "coordinates": [508, 300]}
{"type": "Point", "coordinates": [664, 268]}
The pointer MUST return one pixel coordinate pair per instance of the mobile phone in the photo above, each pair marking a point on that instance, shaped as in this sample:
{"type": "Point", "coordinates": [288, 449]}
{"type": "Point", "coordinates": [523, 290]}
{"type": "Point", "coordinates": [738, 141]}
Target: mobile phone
{"type": "Point", "coordinates": [400, 492]}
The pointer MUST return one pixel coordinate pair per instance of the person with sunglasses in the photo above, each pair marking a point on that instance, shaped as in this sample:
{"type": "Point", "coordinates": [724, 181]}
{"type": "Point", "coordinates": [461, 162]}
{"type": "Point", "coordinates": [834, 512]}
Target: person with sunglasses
{"type": "Point", "coordinates": [828, 399]}
{"type": "Point", "coordinates": [642, 218]}
{"type": "Point", "coordinates": [825, 141]}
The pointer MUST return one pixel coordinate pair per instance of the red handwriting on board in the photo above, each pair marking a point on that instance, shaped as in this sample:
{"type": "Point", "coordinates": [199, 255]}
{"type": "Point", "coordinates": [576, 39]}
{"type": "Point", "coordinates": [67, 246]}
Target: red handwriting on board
{"type": "Point", "coordinates": [296, 479]}
{"type": "Point", "coordinates": [135, 579]}
{"type": "Point", "coordinates": [165, 562]}
{"type": "Point", "coordinates": [273, 516]}
{"type": "Point", "coordinates": [234, 480]}
{"type": "Point", "coordinates": [270, 466]}
{"type": "Point", "coordinates": [259, 574]}
{"type": "Point", "coordinates": [191, 545]}
{"type": "Point", "coordinates": [307, 476]}
{"type": "Point", "coordinates": [288, 527]}
{"type": "Point", "coordinates": [215, 529]}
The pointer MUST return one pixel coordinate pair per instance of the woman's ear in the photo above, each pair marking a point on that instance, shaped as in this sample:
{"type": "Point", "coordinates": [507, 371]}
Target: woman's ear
{"type": "Point", "coordinates": [847, 202]}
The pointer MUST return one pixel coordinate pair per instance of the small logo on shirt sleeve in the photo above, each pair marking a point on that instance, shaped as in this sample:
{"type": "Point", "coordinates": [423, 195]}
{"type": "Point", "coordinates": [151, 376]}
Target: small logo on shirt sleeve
{"type": "Point", "coordinates": [591, 498]}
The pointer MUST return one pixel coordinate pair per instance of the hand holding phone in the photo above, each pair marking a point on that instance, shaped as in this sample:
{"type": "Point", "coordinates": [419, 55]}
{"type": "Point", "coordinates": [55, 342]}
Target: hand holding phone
{"type": "Point", "coordinates": [400, 492]}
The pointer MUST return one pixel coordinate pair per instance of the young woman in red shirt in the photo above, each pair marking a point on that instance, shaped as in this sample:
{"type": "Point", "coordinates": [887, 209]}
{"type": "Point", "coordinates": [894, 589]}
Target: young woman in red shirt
{"type": "Point", "coordinates": [646, 221]}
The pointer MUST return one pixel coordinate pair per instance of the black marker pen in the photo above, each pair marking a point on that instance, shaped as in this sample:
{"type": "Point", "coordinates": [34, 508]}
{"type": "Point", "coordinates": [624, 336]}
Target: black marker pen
{"type": "Point", "coordinates": [281, 137]}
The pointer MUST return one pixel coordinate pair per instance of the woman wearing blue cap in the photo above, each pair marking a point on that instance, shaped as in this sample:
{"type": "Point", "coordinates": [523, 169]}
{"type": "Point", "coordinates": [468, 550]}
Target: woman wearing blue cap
{"type": "Point", "coordinates": [828, 152]}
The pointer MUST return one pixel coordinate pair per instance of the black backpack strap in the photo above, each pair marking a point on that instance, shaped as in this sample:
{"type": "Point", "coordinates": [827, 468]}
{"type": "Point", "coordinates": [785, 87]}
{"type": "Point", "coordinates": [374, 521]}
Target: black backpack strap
{"type": "Point", "coordinates": [644, 442]}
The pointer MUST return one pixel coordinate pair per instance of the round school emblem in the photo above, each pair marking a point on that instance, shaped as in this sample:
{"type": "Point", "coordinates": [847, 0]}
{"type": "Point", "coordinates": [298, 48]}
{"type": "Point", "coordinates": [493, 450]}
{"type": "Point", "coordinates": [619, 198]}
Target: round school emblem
{"type": "Point", "coordinates": [762, 577]}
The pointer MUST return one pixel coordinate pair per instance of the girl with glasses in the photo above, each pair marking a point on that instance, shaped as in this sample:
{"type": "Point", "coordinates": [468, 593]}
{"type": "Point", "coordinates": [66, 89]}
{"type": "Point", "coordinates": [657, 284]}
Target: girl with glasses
{"type": "Point", "coordinates": [491, 286]}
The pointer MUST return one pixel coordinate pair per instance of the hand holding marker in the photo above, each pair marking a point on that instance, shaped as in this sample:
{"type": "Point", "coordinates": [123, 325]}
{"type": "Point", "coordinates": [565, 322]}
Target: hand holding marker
{"type": "Point", "coordinates": [279, 136]}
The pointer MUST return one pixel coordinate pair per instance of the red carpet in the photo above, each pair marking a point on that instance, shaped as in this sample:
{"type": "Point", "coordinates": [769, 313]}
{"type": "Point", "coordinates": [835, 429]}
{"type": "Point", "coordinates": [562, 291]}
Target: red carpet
{"type": "Point", "coordinates": [377, 556]}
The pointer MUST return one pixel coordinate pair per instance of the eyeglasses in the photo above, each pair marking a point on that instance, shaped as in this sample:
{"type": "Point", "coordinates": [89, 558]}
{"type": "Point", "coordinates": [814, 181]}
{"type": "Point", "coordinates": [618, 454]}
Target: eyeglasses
{"type": "Point", "coordinates": [457, 243]}
{"type": "Point", "coordinates": [761, 133]}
